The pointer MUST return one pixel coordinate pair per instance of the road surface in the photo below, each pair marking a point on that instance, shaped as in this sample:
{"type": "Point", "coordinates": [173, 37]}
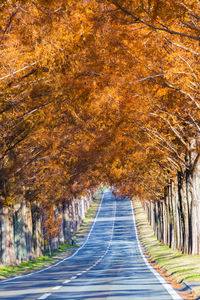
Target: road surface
{"type": "Point", "coordinates": [109, 265]}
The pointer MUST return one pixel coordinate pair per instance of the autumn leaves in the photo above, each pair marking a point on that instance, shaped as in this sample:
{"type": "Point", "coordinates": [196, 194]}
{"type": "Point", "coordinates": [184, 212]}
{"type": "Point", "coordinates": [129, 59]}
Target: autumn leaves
{"type": "Point", "coordinates": [97, 91]}
{"type": "Point", "coordinates": [157, 76]}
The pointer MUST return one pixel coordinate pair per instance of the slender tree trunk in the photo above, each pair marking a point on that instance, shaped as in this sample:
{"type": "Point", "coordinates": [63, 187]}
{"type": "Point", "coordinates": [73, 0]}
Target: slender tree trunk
{"type": "Point", "coordinates": [29, 232]}
{"type": "Point", "coordinates": [7, 236]}
{"type": "Point", "coordinates": [66, 221]}
{"type": "Point", "coordinates": [181, 212]}
{"type": "Point", "coordinates": [61, 238]}
{"type": "Point", "coordinates": [22, 238]}
{"type": "Point", "coordinates": [175, 214]}
{"type": "Point", "coordinates": [196, 210]}
{"type": "Point", "coordinates": [37, 230]}
{"type": "Point", "coordinates": [50, 247]}
{"type": "Point", "coordinates": [165, 217]}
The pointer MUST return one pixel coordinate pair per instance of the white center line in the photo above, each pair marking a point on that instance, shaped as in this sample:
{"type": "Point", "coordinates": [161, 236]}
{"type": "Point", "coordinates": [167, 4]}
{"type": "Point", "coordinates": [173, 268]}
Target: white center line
{"type": "Point", "coordinates": [67, 281]}
{"type": "Point", "coordinates": [74, 277]}
{"type": "Point", "coordinates": [44, 296]}
{"type": "Point", "coordinates": [57, 287]}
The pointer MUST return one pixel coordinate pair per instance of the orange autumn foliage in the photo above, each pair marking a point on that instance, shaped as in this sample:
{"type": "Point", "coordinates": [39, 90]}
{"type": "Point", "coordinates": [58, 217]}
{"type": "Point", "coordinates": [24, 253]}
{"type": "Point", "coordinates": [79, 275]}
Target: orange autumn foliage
{"type": "Point", "coordinates": [95, 91]}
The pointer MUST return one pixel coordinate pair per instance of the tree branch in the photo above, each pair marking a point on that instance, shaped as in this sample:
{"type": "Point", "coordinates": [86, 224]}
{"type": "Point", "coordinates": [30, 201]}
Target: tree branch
{"type": "Point", "coordinates": [165, 29]}
{"type": "Point", "coordinates": [20, 70]}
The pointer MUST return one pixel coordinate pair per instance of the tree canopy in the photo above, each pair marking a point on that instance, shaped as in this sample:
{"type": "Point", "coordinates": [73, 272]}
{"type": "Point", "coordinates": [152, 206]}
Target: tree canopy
{"type": "Point", "coordinates": [97, 91]}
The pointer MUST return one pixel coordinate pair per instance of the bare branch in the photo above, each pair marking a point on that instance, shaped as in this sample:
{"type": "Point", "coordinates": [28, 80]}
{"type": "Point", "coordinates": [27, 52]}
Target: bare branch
{"type": "Point", "coordinates": [20, 70]}
{"type": "Point", "coordinates": [165, 144]}
{"type": "Point", "coordinates": [172, 128]}
{"type": "Point", "coordinates": [183, 47]}
{"type": "Point", "coordinates": [9, 23]}
{"type": "Point", "coordinates": [195, 123]}
{"type": "Point", "coordinates": [165, 28]}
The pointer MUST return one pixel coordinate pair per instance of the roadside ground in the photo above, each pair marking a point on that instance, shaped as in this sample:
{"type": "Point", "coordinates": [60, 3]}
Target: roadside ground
{"type": "Point", "coordinates": [182, 271]}
{"type": "Point", "coordinates": [62, 252]}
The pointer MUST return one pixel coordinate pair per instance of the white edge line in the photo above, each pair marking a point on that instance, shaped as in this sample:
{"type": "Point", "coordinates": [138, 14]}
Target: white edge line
{"type": "Point", "coordinates": [54, 265]}
{"type": "Point", "coordinates": [45, 296]}
{"type": "Point", "coordinates": [57, 287]}
{"type": "Point", "coordinates": [166, 285]}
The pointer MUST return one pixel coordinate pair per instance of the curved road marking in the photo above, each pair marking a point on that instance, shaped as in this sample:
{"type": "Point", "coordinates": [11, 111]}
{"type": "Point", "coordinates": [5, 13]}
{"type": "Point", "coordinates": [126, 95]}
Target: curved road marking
{"type": "Point", "coordinates": [166, 285]}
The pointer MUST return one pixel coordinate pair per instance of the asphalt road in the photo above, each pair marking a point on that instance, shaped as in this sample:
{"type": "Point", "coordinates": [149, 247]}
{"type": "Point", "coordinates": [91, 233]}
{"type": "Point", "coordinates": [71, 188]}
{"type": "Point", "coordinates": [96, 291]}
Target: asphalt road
{"type": "Point", "coordinates": [109, 265]}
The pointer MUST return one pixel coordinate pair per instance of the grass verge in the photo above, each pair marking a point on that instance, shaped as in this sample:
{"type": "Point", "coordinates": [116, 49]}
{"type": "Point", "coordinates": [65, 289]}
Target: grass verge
{"type": "Point", "coordinates": [178, 266]}
{"type": "Point", "coordinates": [63, 251]}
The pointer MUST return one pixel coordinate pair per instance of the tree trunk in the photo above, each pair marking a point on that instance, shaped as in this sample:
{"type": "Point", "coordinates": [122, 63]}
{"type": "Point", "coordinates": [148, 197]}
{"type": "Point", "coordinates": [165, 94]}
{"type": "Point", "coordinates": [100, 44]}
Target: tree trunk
{"type": "Point", "coordinates": [196, 210]}
{"type": "Point", "coordinates": [66, 221]}
{"type": "Point", "coordinates": [7, 236]}
{"type": "Point", "coordinates": [37, 230]}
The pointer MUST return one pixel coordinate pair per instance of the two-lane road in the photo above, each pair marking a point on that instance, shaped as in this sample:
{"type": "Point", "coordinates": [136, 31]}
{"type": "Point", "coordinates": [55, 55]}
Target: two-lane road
{"type": "Point", "coordinates": [109, 265]}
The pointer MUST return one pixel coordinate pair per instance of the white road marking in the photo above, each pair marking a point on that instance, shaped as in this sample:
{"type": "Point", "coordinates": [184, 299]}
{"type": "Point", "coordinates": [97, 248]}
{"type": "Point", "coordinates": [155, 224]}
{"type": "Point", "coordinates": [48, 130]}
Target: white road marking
{"type": "Point", "coordinates": [74, 277]}
{"type": "Point", "coordinates": [57, 287]}
{"type": "Point", "coordinates": [66, 281]}
{"type": "Point", "coordinates": [44, 296]}
{"type": "Point", "coordinates": [166, 285]}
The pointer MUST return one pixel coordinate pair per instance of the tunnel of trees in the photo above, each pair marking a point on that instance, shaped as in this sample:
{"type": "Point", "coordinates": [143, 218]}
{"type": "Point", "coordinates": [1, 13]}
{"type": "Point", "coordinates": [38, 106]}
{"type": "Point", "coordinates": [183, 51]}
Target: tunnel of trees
{"type": "Point", "coordinates": [98, 92]}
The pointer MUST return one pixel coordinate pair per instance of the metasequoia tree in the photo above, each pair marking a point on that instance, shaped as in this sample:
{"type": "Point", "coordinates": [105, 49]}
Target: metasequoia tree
{"type": "Point", "coordinates": [39, 80]}
{"type": "Point", "coordinates": [44, 106]}
{"type": "Point", "coordinates": [101, 91]}
{"type": "Point", "coordinates": [165, 79]}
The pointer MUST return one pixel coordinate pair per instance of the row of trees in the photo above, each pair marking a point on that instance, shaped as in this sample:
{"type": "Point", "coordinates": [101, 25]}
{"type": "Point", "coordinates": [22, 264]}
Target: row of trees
{"type": "Point", "coordinates": [101, 91]}
{"type": "Point", "coordinates": [163, 165]}
{"type": "Point", "coordinates": [26, 229]}
{"type": "Point", "coordinates": [44, 135]}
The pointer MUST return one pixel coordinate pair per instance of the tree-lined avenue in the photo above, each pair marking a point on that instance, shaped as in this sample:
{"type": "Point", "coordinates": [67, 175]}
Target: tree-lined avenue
{"type": "Point", "coordinates": [108, 265]}
{"type": "Point", "coordinates": [98, 92]}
